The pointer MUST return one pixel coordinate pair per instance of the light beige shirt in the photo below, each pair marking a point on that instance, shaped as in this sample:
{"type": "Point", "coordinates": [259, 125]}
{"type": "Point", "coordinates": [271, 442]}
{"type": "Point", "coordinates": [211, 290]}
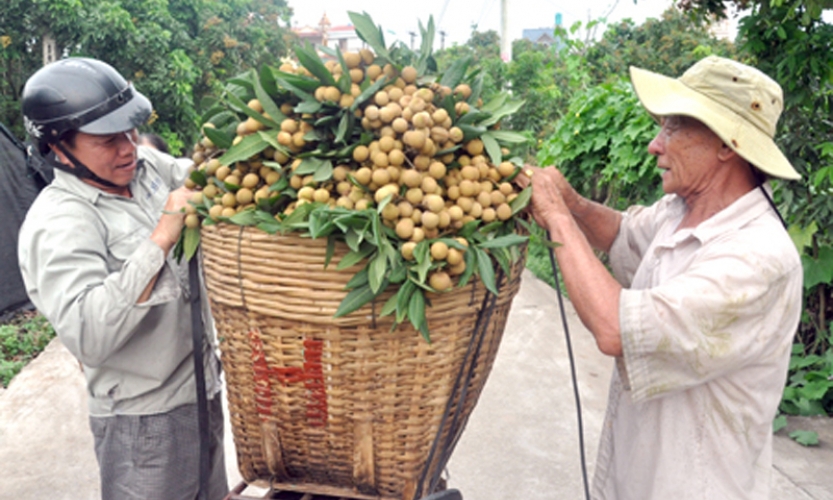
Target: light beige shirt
{"type": "Point", "coordinates": [707, 318]}
{"type": "Point", "coordinates": [86, 256]}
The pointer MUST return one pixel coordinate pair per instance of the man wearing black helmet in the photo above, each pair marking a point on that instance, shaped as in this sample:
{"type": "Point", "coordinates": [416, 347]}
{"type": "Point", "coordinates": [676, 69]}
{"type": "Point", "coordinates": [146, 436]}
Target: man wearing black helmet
{"type": "Point", "coordinates": [95, 257]}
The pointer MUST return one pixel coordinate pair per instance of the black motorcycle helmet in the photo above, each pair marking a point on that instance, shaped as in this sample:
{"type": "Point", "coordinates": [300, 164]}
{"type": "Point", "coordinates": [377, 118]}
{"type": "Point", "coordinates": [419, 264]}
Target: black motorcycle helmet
{"type": "Point", "coordinates": [80, 94]}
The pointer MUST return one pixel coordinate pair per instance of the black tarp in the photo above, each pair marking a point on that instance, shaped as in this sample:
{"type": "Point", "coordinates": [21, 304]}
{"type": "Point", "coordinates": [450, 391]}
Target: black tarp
{"type": "Point", "coordinates": [22, 176]}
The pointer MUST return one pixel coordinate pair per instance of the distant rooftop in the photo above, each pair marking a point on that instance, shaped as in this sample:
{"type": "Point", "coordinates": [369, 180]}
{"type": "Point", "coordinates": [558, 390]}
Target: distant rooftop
{"type": "Point", "coordinates": [343, 37]}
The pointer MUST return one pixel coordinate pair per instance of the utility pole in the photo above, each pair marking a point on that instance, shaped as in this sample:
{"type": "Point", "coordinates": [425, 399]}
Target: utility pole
{"type": "Point", "coordinates": [442, 39]}
{"type": "Point", "coordinates": [50, 49]}
{"type": "Point", "coordinates": [505, 43]}
{"type": "Point", "coordinates": [413, 36]}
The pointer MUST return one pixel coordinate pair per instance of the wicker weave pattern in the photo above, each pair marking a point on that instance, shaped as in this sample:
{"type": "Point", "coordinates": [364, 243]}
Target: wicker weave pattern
{"type": "Point", "coordinates": [340, 402]}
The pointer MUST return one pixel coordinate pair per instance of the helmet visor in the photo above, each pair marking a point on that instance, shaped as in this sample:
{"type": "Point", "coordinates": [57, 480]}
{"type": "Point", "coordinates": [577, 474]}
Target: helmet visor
{"type": "Point", "coordinates": [128, 116]}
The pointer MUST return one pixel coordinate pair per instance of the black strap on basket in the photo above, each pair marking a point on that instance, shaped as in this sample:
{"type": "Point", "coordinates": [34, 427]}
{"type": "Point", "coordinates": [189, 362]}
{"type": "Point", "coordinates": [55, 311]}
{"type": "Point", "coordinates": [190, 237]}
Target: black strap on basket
{"type": "Point", "coordinates": [461, 388]}
{"type": "Point", "coordinates": [197, 334]}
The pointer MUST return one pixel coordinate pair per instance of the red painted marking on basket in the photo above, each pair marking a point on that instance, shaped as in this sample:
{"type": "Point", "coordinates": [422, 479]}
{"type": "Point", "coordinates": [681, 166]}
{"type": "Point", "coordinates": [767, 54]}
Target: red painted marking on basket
{"type": "Point", "coordinates": [314, 383]}
{"type": "Point", "coordinates": [311, 375]}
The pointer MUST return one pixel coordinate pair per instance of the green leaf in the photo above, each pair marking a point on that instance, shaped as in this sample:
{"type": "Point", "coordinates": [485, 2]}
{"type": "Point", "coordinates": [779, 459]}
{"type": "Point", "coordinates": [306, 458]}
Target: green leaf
{"type": "Point", "coordinates": [244, 218]}
{"type": "Point", "coordinates": [344, 128]}
{"type": "Point", "coordinates": [389, 307]}
{"type": "Point", "coordinates": [218, 137]}
{"type": "Point", "coordinates": [331, 248]}
{"type": "Point", "coordinates": [471, 132]}
{"type": "Point", "coordinates": [805, 438]}
{"type": "Point", "coordinates": [456, 72]}
{"type": "Point", "coordinates": [270, 227]}
{"type": "Point", "coordinates": [508, 137]}
{"type": "Point", "coordinates": [472, 118]}
{"type": "Point", "coordinates": [198, 177]}
{"type": "Point", "coordinates": [779, 423]}
{"type": "Point", "coordinates": [309, 59]}
{"type": "Point", "coordinates": [782, 33]}
{"type": "Point", "coordinates": [268, 104]}
{"type": "Point", "coordinates": [817, 271]}
{"type": "Point", "coordinates": [496, 103]}
{"type": "Point", "coordinates": [416, 313]}
{"type": "Point", "coordinates": [505, 241]}
{"type": "Point", "coordinates": [426, 45]}
{"type": "Point", "coordinates": [353, 258]}
{"type": "Point", "coordinates": [324, 172]}
{"type": "Point", "coordinates": [492, 148]}
{"type": "Point", "coordinates": [354, 300]}
{"type": "Point", "coordinates": [422, 257]}
{"type": "Point", "coordinates": [251, 145]}
{"type": "Point", "coordinates": [191, 241]}
{"type": "Point", "coordinates": [816, 390]}
{"type": "Point", "coordinates": [403, 299]}
{"type": "Point", "coordinates": [485, 269]}
{"type": "Point", "coordinates": [299, 92]}
{"type": "Point", "coordinates": [504, 111]}
{"type": "Point", "coordinates": [297, 217]}
{"type": "Point", "coordinates": [369, 92]}
{"type": "Point", "coordinates": [358, 279]}
{"type": "Point", "coordinates": [376, 272]}
{"type": "Point", "coordinates": [270, 138]}
{"type": "Point", "coordinates": [240, 106]}
{"type": "Point", "coordinates": [521, 201]}
{"type": "Point", "coordinates": [370, 34]}
{"type": "Point", "coordinates": [309, 166]}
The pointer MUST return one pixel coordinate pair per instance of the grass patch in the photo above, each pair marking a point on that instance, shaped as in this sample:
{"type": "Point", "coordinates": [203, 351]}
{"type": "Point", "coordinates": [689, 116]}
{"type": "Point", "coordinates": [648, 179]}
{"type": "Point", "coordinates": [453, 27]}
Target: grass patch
{"type": "Point", "coordinates": [22, 337]}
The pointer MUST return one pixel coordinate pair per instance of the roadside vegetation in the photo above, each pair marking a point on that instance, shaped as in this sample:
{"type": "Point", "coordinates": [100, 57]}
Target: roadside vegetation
{"type": "Point", "coordinates": [22, 337]}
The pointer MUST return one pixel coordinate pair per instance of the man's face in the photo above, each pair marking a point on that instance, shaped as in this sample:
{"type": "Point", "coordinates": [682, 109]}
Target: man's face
{"type": "Point", "coordinates": [687, 152]}
{"type": "Point", "coordinates": [111, 157]}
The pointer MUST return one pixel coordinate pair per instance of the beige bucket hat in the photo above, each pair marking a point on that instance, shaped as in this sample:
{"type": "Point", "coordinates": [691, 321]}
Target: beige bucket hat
{"type": "Point", "coordinates": [737, 102]}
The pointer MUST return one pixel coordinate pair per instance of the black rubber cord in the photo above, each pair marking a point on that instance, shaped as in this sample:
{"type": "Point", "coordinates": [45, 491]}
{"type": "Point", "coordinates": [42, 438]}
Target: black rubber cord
{"type": "Point", "coordinates": [197, 334]}
{"type": "Point", "coordinates": [572, 372]}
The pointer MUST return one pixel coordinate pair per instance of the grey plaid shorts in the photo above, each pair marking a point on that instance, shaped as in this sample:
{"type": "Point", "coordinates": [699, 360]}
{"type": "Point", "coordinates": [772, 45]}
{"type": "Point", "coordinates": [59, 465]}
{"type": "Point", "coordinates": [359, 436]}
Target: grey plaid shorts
{"type": "Point", "coordinates": [156, 457]}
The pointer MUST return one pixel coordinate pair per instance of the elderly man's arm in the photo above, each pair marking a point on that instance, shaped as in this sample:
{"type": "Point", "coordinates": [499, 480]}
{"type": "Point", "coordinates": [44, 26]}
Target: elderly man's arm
{"type": "Point", "coordinates": [592, 290]}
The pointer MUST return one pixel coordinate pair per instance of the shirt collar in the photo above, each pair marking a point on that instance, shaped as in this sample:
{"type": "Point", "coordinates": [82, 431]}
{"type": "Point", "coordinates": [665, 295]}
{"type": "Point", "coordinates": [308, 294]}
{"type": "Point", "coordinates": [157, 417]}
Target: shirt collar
{"type": "Point", "coordinates": [744, 210]}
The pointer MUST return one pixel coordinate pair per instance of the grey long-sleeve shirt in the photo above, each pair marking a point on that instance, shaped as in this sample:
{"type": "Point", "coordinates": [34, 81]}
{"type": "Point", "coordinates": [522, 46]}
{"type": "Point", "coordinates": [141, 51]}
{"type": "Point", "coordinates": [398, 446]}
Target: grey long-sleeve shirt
{"type": "Point", "coordinates": [86, 256]}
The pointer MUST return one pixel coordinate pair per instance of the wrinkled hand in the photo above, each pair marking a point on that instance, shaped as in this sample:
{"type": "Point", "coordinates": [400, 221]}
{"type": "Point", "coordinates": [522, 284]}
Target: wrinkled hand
{"type": "Point", "coordinates": [547, 200]}
{"type": "Point", "coordinates": [170, 224]}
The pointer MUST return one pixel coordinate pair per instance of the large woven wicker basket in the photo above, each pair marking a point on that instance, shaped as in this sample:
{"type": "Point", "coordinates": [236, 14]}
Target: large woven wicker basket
{"type": "Point", "coordinates": [343, 406]}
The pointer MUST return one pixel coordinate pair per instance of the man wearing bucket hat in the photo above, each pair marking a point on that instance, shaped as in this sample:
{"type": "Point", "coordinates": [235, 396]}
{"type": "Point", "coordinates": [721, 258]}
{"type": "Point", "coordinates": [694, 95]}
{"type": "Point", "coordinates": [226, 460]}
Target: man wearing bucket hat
{"type": "Point", "coordinates": [707, 291]}
{"type": "Point", "coordinates": [95, 257]}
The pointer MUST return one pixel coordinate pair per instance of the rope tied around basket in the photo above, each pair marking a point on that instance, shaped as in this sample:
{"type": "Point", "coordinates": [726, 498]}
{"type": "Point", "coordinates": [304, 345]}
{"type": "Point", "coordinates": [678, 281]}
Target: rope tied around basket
{"type": "Point", "coordinates": [240, 267]}
{"type": "Point", "coordinates": [461, 387]}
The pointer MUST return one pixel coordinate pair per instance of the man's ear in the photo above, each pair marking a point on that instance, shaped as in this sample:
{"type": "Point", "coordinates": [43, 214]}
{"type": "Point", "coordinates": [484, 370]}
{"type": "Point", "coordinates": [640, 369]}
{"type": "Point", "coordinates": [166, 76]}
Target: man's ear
{"type": "Point", "coordinates": [60, 155]}
{"type": "Point", "coordinates": [726, 153]}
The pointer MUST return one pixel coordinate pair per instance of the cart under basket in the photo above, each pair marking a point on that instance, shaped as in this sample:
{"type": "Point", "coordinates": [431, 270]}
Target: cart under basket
{"type": "Point", "coordinates": [288, 492]}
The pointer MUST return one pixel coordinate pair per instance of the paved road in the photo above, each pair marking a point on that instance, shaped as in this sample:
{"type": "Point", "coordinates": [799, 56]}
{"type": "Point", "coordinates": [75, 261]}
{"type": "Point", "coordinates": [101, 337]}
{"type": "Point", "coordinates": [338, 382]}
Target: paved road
{"type": "Point", "coordinates": [521, 441]}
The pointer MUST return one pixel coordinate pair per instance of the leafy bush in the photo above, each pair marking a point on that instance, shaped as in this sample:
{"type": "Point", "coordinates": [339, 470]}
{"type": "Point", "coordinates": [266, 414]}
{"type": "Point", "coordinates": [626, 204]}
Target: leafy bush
{"type": "Point", "coordinates": [21, 340]}
{"type": "Point", "coordinates": [601, 146]}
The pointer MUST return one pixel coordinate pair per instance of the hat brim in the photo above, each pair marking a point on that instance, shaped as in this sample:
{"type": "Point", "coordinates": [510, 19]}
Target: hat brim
{"type": "Point", "coordinates": [664, 96]}
{"type": "Point", "coordinates": [127, 117]}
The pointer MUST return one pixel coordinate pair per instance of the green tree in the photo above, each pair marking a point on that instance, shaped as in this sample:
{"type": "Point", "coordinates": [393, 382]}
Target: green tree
{"type": "Point", "coordinates": [790, 42]}
{"type": "Point", "coordinates": [668, 45]}
{"type": "Point", "coordinates": [174, 50]}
